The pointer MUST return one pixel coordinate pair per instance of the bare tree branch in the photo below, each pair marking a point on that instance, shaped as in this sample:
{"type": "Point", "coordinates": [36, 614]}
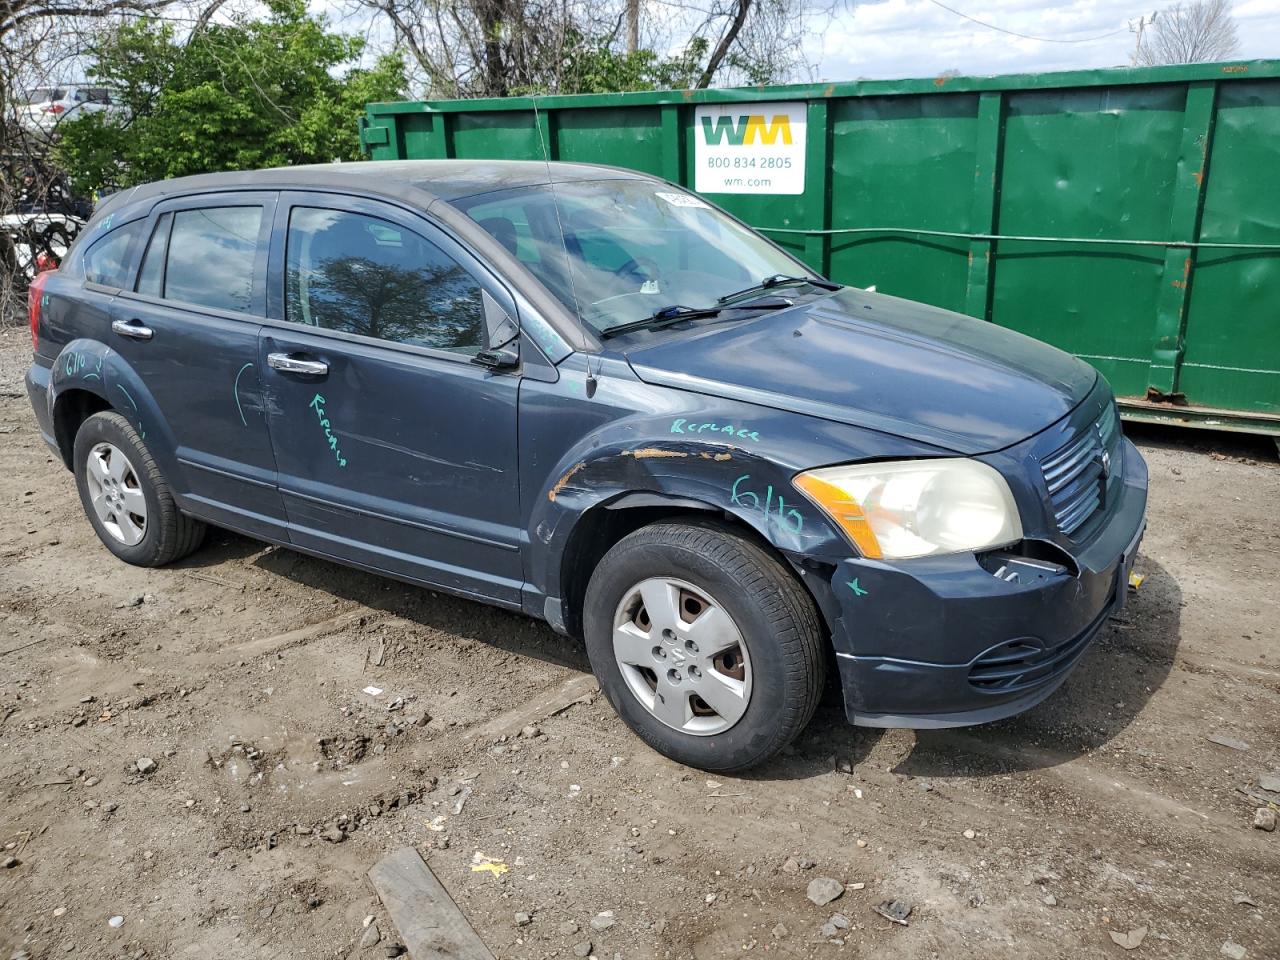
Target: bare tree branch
{"type": "Point", "coordinates": [741, 9]}
{"type": "Point", "coordinates": [1202, 31]}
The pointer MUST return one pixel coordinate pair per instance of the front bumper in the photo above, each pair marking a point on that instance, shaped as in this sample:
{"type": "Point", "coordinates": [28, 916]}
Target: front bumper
{"type": "Point", "coordinates": [952, 641]}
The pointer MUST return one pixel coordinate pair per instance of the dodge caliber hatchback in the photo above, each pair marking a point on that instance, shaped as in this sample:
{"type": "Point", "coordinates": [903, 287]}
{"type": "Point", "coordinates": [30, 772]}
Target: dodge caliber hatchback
{"type": "Point", "coordinates": [590, 396]}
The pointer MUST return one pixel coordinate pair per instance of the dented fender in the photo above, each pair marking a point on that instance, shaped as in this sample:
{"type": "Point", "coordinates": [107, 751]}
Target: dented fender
{"type": "Point", "coordinates": [612, 441]}
{"type": "Point", "coordinates": [92, 366]}
{"type": "Point", "coordinates": [80, 365]}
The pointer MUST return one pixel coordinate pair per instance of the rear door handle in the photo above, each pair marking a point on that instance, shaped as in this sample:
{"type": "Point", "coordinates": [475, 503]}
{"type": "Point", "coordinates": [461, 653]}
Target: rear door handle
{"type": "Point", "coordinates": [133, 329]}
{"type": "Point", "coordinates": [287, 363]}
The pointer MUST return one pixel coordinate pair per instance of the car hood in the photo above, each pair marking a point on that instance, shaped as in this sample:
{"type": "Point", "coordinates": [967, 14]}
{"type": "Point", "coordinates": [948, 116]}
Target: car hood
{"type": "Point", "coordinates": [883, 363]}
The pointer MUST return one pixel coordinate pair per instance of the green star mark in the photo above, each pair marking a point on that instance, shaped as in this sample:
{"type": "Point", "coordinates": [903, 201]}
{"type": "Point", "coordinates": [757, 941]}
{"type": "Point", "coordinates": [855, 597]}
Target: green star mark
{"type": "Point", "coordinates": [857, 590]}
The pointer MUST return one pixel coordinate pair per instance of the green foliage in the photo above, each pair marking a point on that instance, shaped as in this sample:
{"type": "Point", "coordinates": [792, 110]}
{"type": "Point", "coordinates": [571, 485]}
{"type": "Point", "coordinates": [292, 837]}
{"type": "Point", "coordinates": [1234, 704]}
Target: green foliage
{"type": "Point", "coordinates": [593, 66]}
{"type": "Point", "coordinates": [248, 94]}
{"type": "Point", "coordinates": [753, 71]}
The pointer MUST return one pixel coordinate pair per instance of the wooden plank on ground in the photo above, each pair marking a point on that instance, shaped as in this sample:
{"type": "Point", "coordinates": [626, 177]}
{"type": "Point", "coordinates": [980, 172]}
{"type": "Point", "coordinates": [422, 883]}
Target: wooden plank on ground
{"type": "Point", "coordinates": [429, 923]}
{"type": "Point", "coordinates": [580, 688]}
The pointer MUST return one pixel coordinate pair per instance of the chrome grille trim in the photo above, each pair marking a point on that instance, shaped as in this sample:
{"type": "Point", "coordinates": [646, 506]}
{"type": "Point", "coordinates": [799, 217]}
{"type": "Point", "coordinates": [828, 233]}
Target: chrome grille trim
{"type": "Point", "coordinates": [1074, 474]}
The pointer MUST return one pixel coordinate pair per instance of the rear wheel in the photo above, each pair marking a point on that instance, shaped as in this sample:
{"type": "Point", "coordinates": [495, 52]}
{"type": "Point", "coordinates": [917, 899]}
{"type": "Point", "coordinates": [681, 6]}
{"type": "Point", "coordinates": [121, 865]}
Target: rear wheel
{"type": "Point", "coordinates": [126, 497]}
{"type": "Point", "coordinates": [705, 644]}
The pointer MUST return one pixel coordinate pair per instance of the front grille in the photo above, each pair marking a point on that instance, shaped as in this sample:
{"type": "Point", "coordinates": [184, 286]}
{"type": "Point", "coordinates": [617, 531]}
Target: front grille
{"type": "Point", "coordinates": [1023, 664]}
{"type": "Point", "coordinates": [1077, 473]}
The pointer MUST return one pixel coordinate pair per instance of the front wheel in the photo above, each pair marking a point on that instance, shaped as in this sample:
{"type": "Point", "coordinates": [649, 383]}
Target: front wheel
{"type": "Point", "coordinates": [705, 644]}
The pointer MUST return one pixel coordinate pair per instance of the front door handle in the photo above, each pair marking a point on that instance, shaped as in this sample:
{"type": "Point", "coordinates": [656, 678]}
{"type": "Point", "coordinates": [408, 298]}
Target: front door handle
{"type": "Point", "coordinates": [133, 329]}
{"type": "Point", "coordinates": [287, 363]}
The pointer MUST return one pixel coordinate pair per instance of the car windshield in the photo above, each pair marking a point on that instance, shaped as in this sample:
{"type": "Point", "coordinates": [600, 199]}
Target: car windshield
{"type": "Point", "coordinates": [617, 251]}
{"type": "Point", "coordinates": [47, 94]}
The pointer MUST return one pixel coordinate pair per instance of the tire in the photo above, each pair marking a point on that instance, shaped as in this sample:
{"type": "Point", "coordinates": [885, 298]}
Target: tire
{"type": "Point", "coordinates": [767, 682]}
{"type": "Point", "coordinates": [126, 498]}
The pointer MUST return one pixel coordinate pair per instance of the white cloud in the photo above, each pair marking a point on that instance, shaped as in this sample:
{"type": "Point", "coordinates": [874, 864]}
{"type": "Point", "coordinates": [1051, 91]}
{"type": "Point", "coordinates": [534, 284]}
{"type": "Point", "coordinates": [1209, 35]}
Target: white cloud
{"type": "Point", "coordinates": [916, 38]}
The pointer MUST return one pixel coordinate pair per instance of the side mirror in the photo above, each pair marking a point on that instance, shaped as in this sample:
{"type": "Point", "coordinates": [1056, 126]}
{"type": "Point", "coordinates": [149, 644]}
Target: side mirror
{"type": "Point", "coordinates": [502, 345]}
{"type": "Point", "coordinates": [504, 358]}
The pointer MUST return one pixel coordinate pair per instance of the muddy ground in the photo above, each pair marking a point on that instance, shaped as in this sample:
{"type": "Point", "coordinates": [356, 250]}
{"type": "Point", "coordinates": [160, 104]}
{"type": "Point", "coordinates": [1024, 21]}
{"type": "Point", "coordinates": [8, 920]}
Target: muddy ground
{"type": "Point", "coordinates": [239, 674]}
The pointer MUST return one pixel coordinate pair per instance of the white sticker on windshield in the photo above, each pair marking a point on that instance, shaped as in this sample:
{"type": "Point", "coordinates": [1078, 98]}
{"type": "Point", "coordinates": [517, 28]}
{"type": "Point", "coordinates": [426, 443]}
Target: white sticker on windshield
{"type": "Point", "coordinates": [683, 200]}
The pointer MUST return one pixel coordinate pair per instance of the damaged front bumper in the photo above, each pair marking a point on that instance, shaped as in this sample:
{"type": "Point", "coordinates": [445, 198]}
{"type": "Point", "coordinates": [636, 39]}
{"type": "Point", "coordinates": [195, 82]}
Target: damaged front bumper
{"type": "Point", "coordinates": [964, 639]}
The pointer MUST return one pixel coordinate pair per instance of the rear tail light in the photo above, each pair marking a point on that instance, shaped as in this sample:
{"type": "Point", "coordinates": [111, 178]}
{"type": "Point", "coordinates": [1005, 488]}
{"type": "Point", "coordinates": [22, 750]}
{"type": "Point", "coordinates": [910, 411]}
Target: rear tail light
{"type": "Point", "coordinates": [45, 261]}
{"type": "Point", "coordinates": [35, 296]}
{"type": "Point", "coordinates": [54, 108]}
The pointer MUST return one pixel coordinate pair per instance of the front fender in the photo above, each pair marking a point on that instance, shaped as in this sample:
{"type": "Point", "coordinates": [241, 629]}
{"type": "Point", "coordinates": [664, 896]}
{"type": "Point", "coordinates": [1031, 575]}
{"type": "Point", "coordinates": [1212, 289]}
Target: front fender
{"type": "Point", "coordinates": [739, 482]}
{"type": "Point", "coordinates": [601, 436]}
{"type": "Point", "coordinates": [657, 469]}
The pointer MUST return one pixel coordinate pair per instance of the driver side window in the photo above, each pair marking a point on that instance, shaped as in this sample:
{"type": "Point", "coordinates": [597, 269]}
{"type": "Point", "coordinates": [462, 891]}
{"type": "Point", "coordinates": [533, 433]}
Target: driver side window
{"type": "Point", "coordinates": [367, 276]}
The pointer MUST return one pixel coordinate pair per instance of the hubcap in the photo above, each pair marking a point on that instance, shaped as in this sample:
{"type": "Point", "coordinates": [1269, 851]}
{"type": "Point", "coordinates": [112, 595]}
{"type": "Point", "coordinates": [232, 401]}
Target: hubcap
{"type": "Point", "coordinates": [682, 656]}
{"type": "Point", "coordinates": [116, 494]}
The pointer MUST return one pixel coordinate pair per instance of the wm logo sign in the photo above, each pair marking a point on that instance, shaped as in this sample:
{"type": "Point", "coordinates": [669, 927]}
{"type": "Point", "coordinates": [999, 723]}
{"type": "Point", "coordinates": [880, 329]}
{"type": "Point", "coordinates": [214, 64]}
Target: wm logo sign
{"type": "Point", "coordinates": [751, 147]}
{"type": "Point", "coordinates": [747, 130]}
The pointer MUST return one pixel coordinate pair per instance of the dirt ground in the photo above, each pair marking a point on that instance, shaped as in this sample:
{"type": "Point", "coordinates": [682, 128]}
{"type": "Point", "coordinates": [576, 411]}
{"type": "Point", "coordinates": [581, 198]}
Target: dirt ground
{"type": "Point", "coordinates": [239, 675]}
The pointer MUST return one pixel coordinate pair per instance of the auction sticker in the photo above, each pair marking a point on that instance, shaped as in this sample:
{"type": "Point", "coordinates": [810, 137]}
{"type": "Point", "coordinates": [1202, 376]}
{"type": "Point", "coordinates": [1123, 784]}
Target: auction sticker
{"type": "Point", "coordinates": [683, 200]}
{"type": "Point", "coordinates": [749, 148]}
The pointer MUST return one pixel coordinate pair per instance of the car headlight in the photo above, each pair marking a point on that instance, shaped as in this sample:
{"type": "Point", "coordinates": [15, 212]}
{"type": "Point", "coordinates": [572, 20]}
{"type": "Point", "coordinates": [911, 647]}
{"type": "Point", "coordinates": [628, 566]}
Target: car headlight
{"type": "Point", "coordinates": [916, 508]}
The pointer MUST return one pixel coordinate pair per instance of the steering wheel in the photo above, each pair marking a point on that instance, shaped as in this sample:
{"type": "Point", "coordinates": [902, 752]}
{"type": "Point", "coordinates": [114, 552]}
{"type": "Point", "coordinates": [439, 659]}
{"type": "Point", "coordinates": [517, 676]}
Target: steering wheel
{"type": "Point", "coordinates": [642, 268]}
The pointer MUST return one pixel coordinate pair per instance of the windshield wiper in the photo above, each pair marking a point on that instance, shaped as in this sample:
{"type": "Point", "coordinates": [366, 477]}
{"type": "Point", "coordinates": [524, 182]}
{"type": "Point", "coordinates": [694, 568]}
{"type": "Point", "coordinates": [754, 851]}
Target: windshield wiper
{"type": "Point", "coordinates": [779, 280]}
{"type": "Point", "coordinates": [677, 312]}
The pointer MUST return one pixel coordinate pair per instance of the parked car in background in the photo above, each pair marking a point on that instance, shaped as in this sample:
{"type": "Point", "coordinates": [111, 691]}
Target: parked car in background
{"type": "Point", "coordinates": [588, 395]}
{"type": "Point", "coordinates": [47, 107]}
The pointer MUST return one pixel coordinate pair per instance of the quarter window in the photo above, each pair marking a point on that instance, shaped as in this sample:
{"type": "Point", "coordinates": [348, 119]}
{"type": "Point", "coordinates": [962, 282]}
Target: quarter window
{"type": "Point", "coordinates": [107, 260]}
{"type": "Point", "coordinates": [368, 276]}
{"type": "Point", "coordinates": [213, 257]}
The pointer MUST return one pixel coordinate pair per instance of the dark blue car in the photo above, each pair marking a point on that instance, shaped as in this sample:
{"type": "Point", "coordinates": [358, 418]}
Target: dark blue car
{"type": "Point", "coordinates": [590, 396]}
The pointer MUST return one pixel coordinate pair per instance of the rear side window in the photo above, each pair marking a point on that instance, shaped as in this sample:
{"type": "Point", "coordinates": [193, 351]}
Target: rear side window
{"type": "Point", "coordinates": [213, 257]}
{"type": "Point", "coordinates": [368, 276]}
{"type": "Point", "coordinates": [107, 260]}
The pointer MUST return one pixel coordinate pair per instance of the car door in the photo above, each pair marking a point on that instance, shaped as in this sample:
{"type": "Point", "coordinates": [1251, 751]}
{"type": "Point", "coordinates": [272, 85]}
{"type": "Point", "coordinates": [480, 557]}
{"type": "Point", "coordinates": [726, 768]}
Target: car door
{"type": "Point", "coordinates": [189, 330]}
{"type": "Point", "coordinates": [395, 450]}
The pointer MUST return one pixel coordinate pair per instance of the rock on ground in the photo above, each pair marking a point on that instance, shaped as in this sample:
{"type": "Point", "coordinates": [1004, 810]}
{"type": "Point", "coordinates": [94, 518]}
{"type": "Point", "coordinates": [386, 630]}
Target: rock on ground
{"type": "Point", "coordinates": [822, 890]}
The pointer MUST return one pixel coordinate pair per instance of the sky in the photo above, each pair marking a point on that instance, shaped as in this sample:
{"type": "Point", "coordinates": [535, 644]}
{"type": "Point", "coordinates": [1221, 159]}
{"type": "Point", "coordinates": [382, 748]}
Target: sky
{"type": "Point", "coordinates": [886, 39]}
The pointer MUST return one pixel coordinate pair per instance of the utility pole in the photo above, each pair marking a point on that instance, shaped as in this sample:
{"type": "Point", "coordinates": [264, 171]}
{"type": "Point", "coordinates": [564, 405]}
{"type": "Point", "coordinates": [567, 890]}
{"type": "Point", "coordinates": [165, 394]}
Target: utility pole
{"type": "Point", "coordinates": [1137, 29]}
{"type": "Point", "coordinates": [633, 26]}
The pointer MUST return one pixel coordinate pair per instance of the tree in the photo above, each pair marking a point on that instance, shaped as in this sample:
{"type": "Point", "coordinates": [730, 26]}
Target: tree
{"type": "Point", "coordinates": [40, 43]}
{"type": "Point", "coordinates": [31, 29]}
{"type": "Point", "coordinates": [746, 41]}
{"type": "Point", "coordinates": [497, 48]}
{"type": "Point", "coordinates": [1201, 31]}
{"type": "Point", "coordinates": [594, 66]}
{"type": "Point", "coordinates": [278, 90]}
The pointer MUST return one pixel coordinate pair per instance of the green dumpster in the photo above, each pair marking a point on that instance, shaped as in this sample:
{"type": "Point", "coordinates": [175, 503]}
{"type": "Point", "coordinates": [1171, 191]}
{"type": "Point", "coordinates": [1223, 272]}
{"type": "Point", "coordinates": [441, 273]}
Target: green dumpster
{"type": "Point", "coordinates": [1130, 216]}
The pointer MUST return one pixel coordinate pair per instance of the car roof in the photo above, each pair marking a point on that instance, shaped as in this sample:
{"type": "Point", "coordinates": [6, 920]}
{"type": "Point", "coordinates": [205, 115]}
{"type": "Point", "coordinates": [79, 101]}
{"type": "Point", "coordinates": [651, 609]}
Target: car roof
{"type": "Point", "coordinates": [455, 179]}
{"type": "Point", "coordinates": [424, 180]}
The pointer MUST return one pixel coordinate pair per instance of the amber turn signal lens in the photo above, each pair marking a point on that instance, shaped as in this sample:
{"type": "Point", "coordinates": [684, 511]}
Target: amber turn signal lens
{"type": "Point", "coordinates": [844, 510]}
